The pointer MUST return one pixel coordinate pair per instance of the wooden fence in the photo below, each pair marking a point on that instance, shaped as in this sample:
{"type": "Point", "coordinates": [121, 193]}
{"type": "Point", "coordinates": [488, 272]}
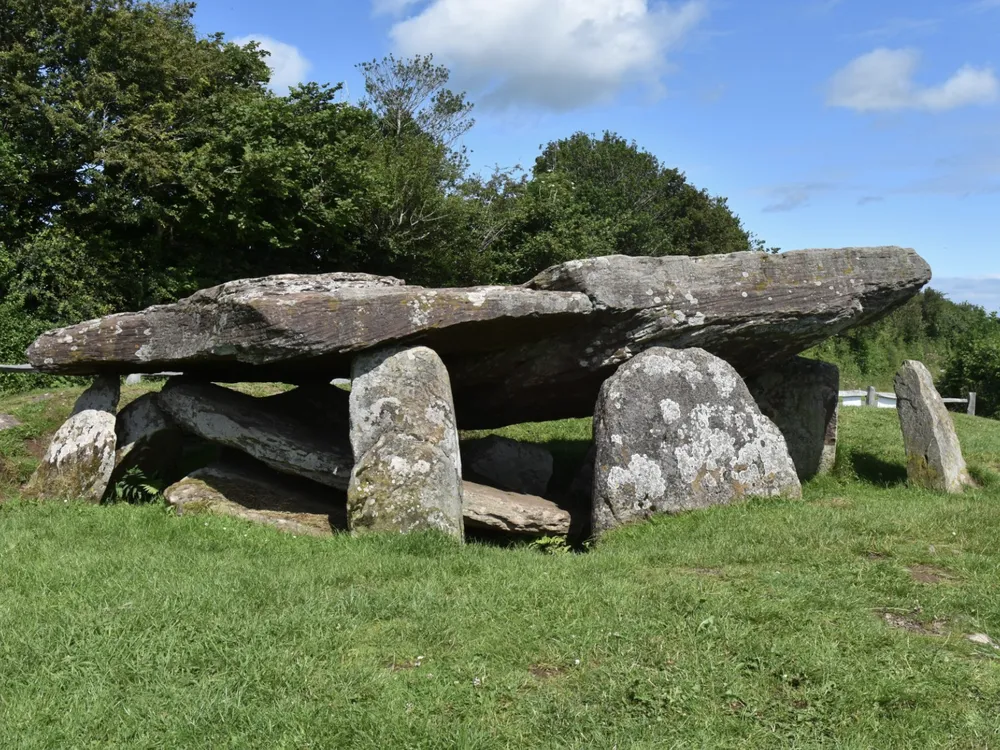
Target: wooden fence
{"type": "Point", "coordinates": [887, 400]}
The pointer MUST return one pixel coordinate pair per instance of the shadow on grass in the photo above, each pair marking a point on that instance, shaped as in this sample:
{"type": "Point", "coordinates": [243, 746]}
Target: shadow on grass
{"type": "Point", "coordinates": [870, 468]}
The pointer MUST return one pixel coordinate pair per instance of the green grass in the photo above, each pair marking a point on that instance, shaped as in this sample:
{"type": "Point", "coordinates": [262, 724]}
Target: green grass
{"type": "Point", "coordinates": [755, 625]}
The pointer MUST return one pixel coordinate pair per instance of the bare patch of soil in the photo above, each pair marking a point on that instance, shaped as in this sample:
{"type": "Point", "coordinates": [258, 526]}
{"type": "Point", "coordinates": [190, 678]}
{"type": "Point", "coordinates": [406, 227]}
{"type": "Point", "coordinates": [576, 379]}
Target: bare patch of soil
{"type": "Point", "coordinates": [545, 671]}
{"type": "Point", "coordinates": [929, 574]}
{"type": "Point", "coordinates": [910, 623]}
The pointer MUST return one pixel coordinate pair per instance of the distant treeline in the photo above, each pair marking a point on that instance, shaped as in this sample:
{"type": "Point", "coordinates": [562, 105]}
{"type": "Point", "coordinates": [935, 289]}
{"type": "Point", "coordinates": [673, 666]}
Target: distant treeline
{"type": "Point", "coordinates": [959, 342]}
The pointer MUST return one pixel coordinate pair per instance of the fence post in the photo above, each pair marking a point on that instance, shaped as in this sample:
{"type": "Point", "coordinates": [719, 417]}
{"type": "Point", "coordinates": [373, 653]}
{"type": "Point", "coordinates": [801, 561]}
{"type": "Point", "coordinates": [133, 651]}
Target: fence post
{"type": "Point", "coordinates": [972, 403]}
{"type": "Point", "coordinates": [872, 397]}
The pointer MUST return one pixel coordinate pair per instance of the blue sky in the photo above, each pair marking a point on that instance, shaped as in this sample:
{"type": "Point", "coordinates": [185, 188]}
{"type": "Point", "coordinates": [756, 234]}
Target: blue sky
{"type": "Point", "coordinates": [826, 123]}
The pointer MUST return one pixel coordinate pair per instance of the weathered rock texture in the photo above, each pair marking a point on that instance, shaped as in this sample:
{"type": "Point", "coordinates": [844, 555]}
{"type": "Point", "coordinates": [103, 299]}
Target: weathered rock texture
{"type": "Point", "coordinates": [507, 464]}
{"type": "Point", "coordinates": [8, 421]}
{"type": "Point", "coordinates": [801, 397]}
{"type": "Point", "coordinates": [256, 493]}
{"type": "Point", "coordinates": [535, 352]}
{"type": "Point", "coordinates": [933, 454]}
{"type": "Point", "coordinates": [147, 440]}
{"type": "Point", "coordinates": [408, 471]}
{"type": "Point", "coordinates": [260, 427]}
{"type": "Point", "coordinates": [678, 430]}
{"type": "Point", "coordinates": [493, 509]}
{"type": "Point", "coordinates": [81, 456]}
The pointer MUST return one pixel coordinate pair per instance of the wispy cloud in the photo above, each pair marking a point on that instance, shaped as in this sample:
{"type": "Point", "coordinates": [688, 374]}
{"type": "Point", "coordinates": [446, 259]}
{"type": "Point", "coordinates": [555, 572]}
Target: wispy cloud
{"type": "Point", "coordinates": [978, 290]}
{"type": "Point", "coordinates": [864, 200]}
{"type": "Point", "coordinates": [557, 54]}
{"type": "Point", "coordinates": [882, 80]}
{"type": "Point", "coordinates": [900, 26]}
{"type": "Point", "coordinates": [288, 65]}
{"type": "Point", "coordinates": [983, 5]}
{"type": "Point", "coordinates": [795, 195]}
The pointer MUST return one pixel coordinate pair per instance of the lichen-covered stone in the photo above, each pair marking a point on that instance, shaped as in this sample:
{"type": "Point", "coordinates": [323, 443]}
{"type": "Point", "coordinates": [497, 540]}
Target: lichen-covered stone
{"type": "Point", "coordinates": [677, 430]}
{"type": "Point", "coordinates": [801, 397]}
{"type": "Point", "coordinates": [261, 428]}
{"type": "Point", "coordinates": [507, 464]}
{"type": "Point", "coordinates": [492, 509]}
{"type": "Point", "coordinates": [408, 472]}
{"type": "Point", "coordinates": [933, 454]}
{"type": "Point", "coordinates": [535, 352]}
{"type": "Point", "coordinates": [81, 457]}
{"type": "Point", "coordinates": [249, 490]}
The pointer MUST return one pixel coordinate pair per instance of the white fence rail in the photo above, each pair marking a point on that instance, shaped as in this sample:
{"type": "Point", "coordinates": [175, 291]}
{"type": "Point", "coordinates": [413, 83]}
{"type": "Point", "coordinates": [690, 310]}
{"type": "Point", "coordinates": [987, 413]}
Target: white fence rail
{"type": "Point", "coordinates": [887, 399]}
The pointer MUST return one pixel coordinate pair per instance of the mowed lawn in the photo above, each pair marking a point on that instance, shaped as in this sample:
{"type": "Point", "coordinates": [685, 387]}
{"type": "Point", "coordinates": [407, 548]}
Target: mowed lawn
{"type": "Point", "coordinates": [836, 621]}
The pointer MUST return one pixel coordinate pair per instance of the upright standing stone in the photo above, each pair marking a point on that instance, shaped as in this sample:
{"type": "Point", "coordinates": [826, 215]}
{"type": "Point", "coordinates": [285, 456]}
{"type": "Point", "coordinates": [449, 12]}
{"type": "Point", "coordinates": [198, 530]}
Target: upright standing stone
{"type": "Point", "coordinates": [81, 456]}
{"type": "Point", "coordinates": [801, 397]}
{"type": "Point", "coordinates": [677, 430]}
{"type": "Point", "coordinates": [408, 471]}
{"type": "Point", "coordinates": [933, 454]}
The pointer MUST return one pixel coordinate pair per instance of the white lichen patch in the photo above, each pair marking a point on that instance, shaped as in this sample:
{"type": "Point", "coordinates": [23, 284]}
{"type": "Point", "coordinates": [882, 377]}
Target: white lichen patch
{"type": "Point", "coordinates": [643, 475]}
{"type": "Point", "coordinates": [669, 410]}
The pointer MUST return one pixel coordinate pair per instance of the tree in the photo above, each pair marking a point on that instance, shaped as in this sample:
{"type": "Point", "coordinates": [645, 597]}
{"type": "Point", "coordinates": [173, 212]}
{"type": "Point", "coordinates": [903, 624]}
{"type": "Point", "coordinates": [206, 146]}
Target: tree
{"type": "Point", "coordinates": [416, 170]}
{"type": "Point", "coordinates": [649, 209]}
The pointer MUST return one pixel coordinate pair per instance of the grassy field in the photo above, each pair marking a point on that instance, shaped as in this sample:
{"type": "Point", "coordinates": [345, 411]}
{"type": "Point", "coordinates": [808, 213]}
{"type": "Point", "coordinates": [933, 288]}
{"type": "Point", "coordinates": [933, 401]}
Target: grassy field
{"type": "Point", "coordinates": [835, 621]}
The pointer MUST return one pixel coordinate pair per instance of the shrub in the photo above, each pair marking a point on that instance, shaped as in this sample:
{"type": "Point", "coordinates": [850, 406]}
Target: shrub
{"type": "Point", "coordinates": [975, 366]}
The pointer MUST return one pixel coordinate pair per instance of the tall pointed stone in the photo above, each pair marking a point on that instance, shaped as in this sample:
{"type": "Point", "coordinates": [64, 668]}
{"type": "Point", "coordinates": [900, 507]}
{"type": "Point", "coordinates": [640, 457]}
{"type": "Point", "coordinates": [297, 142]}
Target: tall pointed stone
{"type": "Point", "coordinates": [933, 454]}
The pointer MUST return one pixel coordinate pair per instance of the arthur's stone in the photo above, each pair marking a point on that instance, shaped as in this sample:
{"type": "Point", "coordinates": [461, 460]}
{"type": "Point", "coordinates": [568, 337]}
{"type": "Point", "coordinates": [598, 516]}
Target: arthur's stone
{"type": "Point", "coordinates": [933, 454]}
{"type": "Point", "coordinates": [408, 471]}
{"type": "Point", "coordinates": [801, 397]}
{"type": "Point", "coordinates": [147, 440]}
{"type": "Point", "coordinates": [677, 430]}
{"type": "Point", "coordinates": [515, 354]}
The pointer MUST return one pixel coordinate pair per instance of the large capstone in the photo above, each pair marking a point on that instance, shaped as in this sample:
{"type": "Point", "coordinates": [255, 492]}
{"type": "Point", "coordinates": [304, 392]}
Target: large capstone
{"type": "Point", "coordinates": [801, 397]}
{"type": "Point", "coordinates": [263, 428]}
{"type": "Point", "coordinates": [408, 472]}
{"type": "Point", "coordinates": [515, 354]}
{"type": "Point", "coordinates": [677, 430]}
{"type": "Point", "coordinates": [933, 454]}
{"type": "Point", "coordinates": [81, 457]}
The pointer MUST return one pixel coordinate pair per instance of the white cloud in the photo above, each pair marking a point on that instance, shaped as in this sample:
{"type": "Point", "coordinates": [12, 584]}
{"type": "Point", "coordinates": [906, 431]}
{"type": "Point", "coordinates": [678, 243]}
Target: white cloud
{"type": "Point", "coordinates": [556, 54]}
{"type": "Point", "coordinates": [288, 65]}
{"type": "Point", "coordinates": [882, 80]}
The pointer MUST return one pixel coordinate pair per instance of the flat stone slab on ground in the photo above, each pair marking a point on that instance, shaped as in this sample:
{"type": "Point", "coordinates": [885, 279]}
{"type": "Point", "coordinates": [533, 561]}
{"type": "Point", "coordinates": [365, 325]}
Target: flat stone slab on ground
{"type": "Point", "coordinates": [7, 421]}
{"type": "Point", "coordinates": [512, 513]}
{"type": "Point", "coordinates": [515, 354]}
{"type": "Point", "coordinates": [251, 491]}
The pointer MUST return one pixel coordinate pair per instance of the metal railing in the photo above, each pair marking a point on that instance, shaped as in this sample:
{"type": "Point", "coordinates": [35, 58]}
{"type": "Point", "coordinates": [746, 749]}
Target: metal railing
{"type": "Point", "coordinates": [887, 399]}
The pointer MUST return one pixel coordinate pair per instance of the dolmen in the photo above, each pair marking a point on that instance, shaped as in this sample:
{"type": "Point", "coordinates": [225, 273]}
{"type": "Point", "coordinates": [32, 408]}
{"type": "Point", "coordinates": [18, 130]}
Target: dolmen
{"type": "Point", "coordinates": [688, 366]}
